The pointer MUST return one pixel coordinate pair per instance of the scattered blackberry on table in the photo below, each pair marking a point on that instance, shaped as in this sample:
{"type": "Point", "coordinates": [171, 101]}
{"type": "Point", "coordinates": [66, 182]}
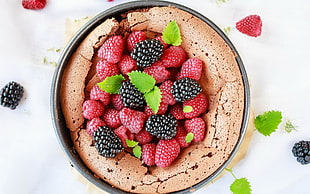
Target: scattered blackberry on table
{"type": "Point", "coordinates": [162, 126]}
{"type": "Point", "coordinates": [301, 150]}
{"type": "Point", "coordinates": [11, 94]}
{"type": "Point", "coordinates": [107, 143]}
{"type": "Point", "coordinates": [185, 89]}
{"type": "Point", "coordinates": [131, 96]}
{"type": "Point", "coordinates": [147, 52]}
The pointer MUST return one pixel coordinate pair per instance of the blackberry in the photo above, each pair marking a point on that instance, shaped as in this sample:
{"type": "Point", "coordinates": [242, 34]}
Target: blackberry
{"type": "Point", "coordinates": [131, 96]}
{"type": "Point", "coordinates": [162, 126]}
{"type": "Point", "coordinates": [11, 94]}
{"type": "Point", "coordinates": [107, 143]}
{"type": "Point", "coordinates": [147, 52]}
{"type": "Point", "coordinates": [185, 89]}
{"type": "Point", "coordinates": [301, 150]}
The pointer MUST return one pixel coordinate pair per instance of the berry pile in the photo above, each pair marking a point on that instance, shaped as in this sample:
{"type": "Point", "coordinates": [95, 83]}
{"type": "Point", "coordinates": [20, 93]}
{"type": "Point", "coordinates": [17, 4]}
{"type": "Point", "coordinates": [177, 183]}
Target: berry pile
{"type": "Point", "coordinates": [113, 118]}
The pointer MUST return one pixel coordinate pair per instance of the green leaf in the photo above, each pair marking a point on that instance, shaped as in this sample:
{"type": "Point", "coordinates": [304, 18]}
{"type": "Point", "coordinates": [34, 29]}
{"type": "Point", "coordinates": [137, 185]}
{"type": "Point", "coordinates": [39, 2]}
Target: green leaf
{"type": "Point", "coordinates": [189, 137]}
{"type": "Point", "coordinates": [172, 34]}
{"type": "Point", "coordinates": [227, 30]}
{"type": "Point", "coordinates": [142, 81]}
{"type": "Point", "coordinates": [289, 127]}
{"type": "Point", "coordinates": [153, 99]}
{"type": "Point", "coordinates": [137, 151]}
{"type": "Point", "coordinates": [241, 186]}
{"type": "Point", "coordinates": [187, 109]}
{"type": "Point", "coordinates": [111, 84]}
{"type": "Point", "coordinates": [131, 143]}
{"type": "Point", "coordinates": [268, 122]}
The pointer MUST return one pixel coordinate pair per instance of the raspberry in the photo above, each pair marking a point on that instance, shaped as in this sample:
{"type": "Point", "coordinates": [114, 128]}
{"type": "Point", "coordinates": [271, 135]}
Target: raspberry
{"type": "Point", "coordinates": [163, 107]}
{"type": "Point", "coordinates": [191, 68]}
{"type": "Point", "coordinates": [160, 38]}
{"type": "Point", "coordinates": [92, 109]}
{"type": "Point", "coordinates": [123, 133]}
{"type": "Point", "coordinates": [180, 137]}
{"type": "Point", "coordinates": [147, 52]}
{"type": "Point", "coordinates": [11, 94]}
{"type": "Point", "coordinates": [161, 126]}
{"type": "Point", "coordinates": [166, 94]}
{"type": "Point", "coordinates": [105, 69]}
{"type": "Point", "coordinates": [250, 25]}
{"type": "Point", "coordinates": [174, 56]}
{"type": "Point", "coordinates": [133, 120]}
{"type": "Point", "coordinates": [185, 89]}
{"type": "Point", "coordinates": [158, 71]}
{"type": "Point", "coordinates": [301, 150]}
{"type": "Point", "coordinates": [106, 142]}
{"type": "Point", "coordinates": [166, 152]}
{"type": "Point", "coordinates": [134, 38]}
{"type": "Point", "coordinates": [199, 105]}
{"type": "Point", "coordinates": [93, 125]}
{"type": "Point", "coordinates": [33, 4]}
{"type": "Point", "coordinates": [97, 94]}
{"type": "Point", "coordinates": [131, 96]}
{"type": "Point", "coordinates": [177, 111]}
{"type": "Point", "coordinates": [117, 101]}
{"type": "Point", "coordinates": [143, 137]}
{"type": "Point", "coordinates": [148, 154]}
{"type": "Point", "coordinates": [111, 118]}
{"type": "Point", "coordinates": [196, 126]}
{"type": "Point", "coordinates": [112, 49]}
{"type": "Point", "coordinates": [127, 64]}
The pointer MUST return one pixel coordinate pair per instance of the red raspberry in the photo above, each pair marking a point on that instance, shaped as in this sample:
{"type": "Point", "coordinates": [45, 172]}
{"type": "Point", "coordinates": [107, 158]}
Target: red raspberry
{"type": "Point", "coordinates": [163, 107]}
{"type": "Point", "coordinates": [92, 109]}
{"type": "Point", "coordinates": [105, 69]}
{"type": "Point", "coordinates": [166, 94]}
{"type": "Point", "coordinates": [177, 111]}
{"type": "Point", "coordinates": [117, 101]}
{"type": "Point", "coordinates": [160, 38]}
{"type": "Point", "coordinates": [143, 137]}
{"type": "Point", "coordinates": [148, 154]}
{"type": "Point", "coordinates": [250, 25]}
{"type": "Point", "coordinates": [180, 136]}
{"type": "Point", "coordinates": [33, 4]}
{"type": "Point", "coordinates": [112, 49]}
{"type": "Point", "coordinates": [191, 68]}
{"type": "Point", "coordinates": [158, 71]}
{"type": "Point", "coordinates": [133, 120]}
{"type": "Point", "coordinates": [111, 118]}
{"type": "Point", "coordinates": [196, 126]}
{"type": "Point", "coordinates": [97, 94]}
{"type": "Point", "coordinates": [134, 38]}
{"type": "Point", "coordinates": [199, 105]}
{"type": "Point", "coordinates": [174, 56]}
{"type": "Point", "coordinates": [166, 152]}
{"type": "Point", "coordinates": [123, 133]}
{"type": "Point", "coordinates": [127, 64]}
{"type": "Point", "coordinates": [93, 125]}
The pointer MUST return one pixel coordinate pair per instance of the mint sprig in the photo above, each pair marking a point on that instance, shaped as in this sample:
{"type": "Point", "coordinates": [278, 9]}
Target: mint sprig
{"type": "Point", "coordinates": [187, 109]}
{"type": "Point", "coordinates": [142, 81]}
{"type": "Point", "coordinates": [240, 185]}
{"type": "Point", "coordinates": [268, 122]}
{"type": "Point", "coordinates": [111, 84]}
{"type": "Point", "coordinates": [189, 137]}
{"type": "Point", "coordinates": [172, 35]}
{"type": "Point", "coordinates": [137, 151]}
{"type": "Point", "coordinates": [153, 99]}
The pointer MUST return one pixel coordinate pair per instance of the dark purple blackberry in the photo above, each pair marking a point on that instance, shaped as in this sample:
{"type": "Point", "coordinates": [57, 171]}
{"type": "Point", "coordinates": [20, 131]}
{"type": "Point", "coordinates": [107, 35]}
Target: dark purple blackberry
{"type": "Point", "coordinates": [185, 89]}
{"type": "Point", "coordinates": [301, 150]}
{"type": "Point", "coordinates": [11, 94]}
{"type": "Point", "coordinates": [107, 143]}
{"type": "Point", "coordinates": [131, 96]}
{"type": "Point", "coordinates": [147, 52]}
{"type": "Point", "coordinates": [162, 126]}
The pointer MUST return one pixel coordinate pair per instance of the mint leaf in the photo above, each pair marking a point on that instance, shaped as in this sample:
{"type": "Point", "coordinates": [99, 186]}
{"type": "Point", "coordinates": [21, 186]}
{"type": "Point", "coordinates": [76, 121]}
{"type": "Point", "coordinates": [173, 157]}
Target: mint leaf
{"type": "Point", "coordinates": [137, 151]}
{"type": "Point", "coordinates": [172, 34]}
{"type": "Point", "coordinates": [268, 122]}
{"type": "Point", "coordinates": [131, 143]}
{"type": "Point", "coordinates": [187, 109]}
{"type": "Point", "coordinates": [111, 84]}
{"type": "Point", "coordinates": [189, 137]}
{"type": "Point", "coordinates": [142, 81]}
{"type": "Point", "coordinates": [241, 186]}
{"type": "Point", "coordinates": [153, 99]}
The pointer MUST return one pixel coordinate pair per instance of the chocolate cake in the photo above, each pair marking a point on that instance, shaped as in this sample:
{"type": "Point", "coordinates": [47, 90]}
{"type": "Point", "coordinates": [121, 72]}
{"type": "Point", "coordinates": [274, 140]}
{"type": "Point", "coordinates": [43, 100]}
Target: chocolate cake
{"type": "Point", "coordinates": [221, 81]}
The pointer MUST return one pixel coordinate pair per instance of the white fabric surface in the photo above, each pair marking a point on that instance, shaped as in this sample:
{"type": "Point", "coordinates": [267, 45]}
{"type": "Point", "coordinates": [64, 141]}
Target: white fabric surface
{"type": "Point", "coordinates": [277, 64]}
